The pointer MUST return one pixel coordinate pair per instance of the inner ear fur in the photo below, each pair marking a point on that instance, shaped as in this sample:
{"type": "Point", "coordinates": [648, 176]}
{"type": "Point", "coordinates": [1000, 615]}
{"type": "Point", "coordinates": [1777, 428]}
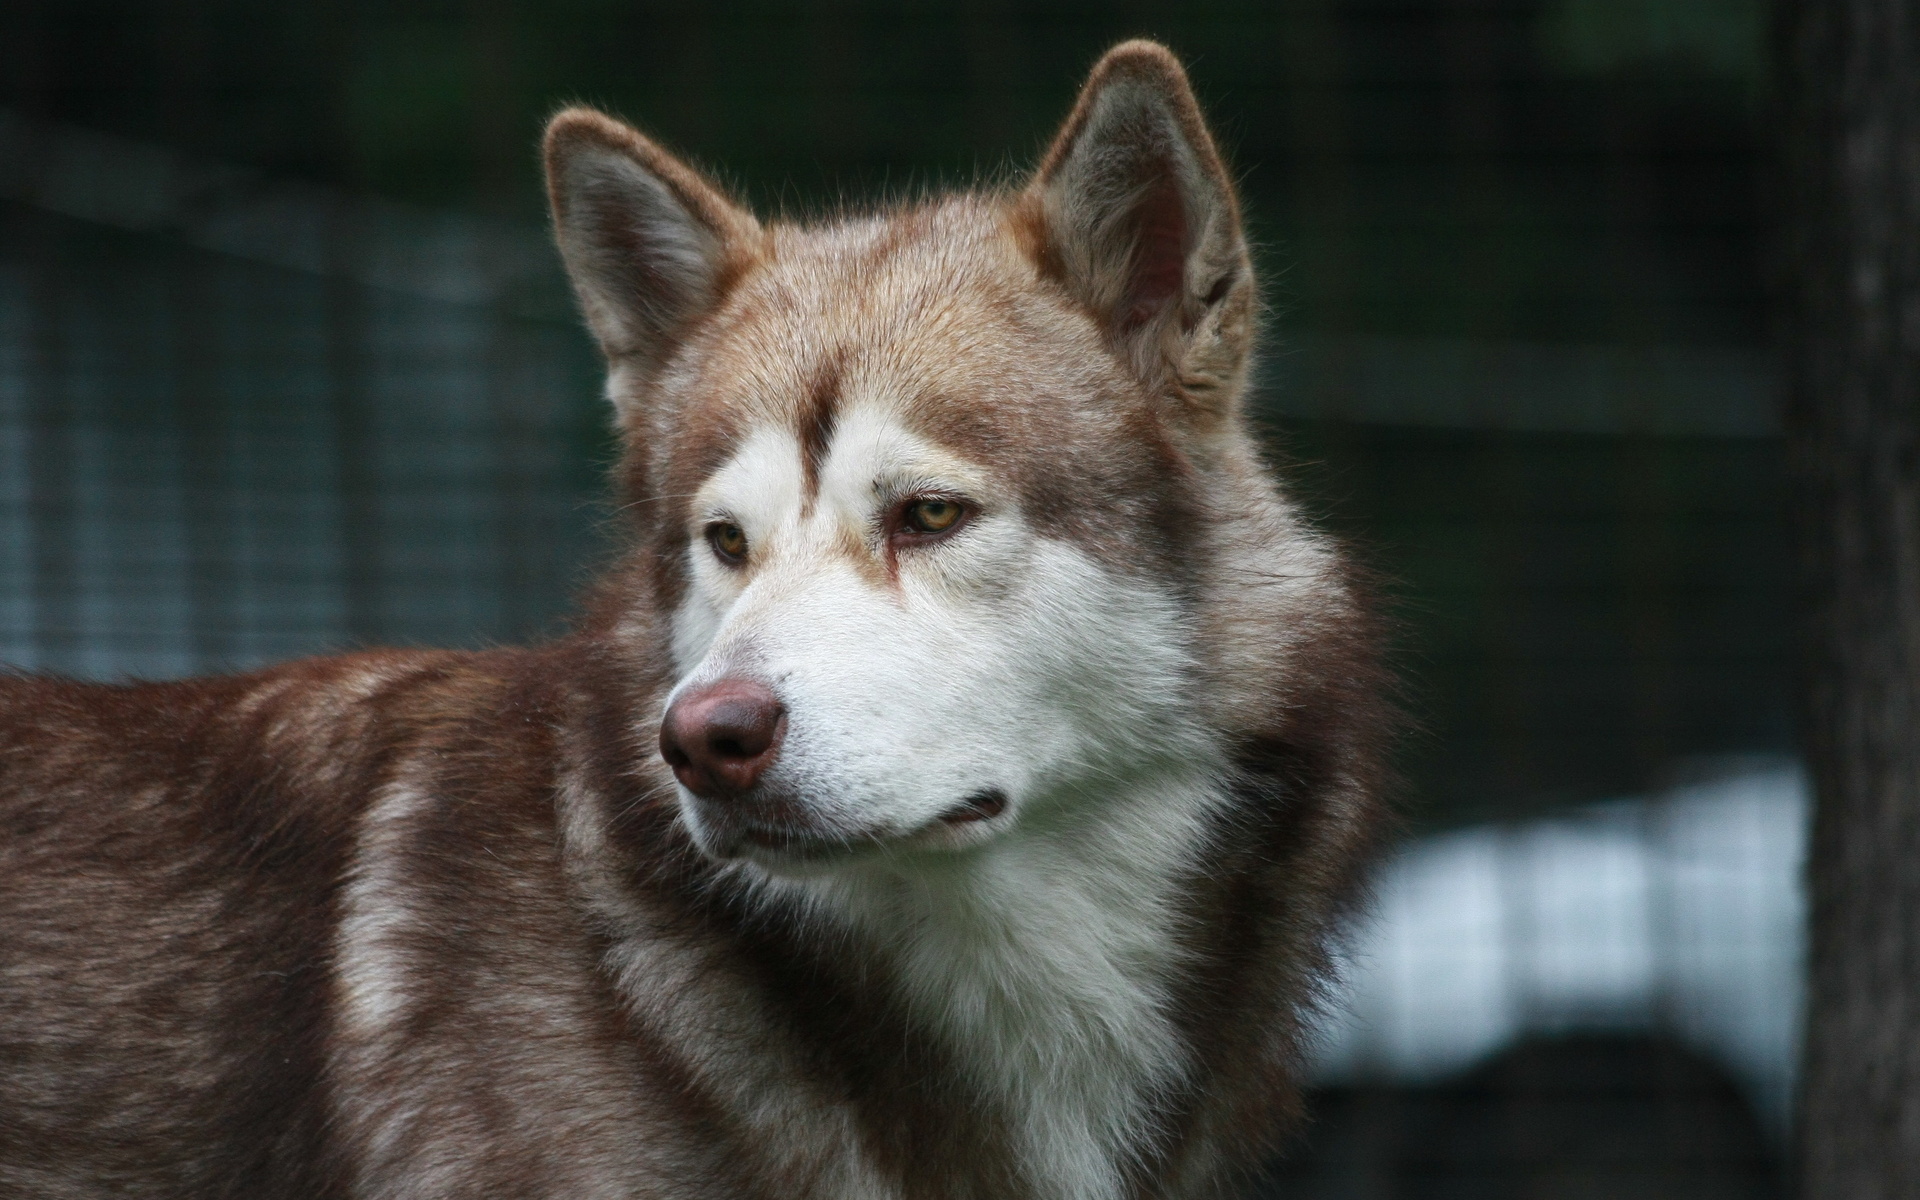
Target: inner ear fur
{"type": "Point", "coordinates": [1139, 221]}
{"type": "Point", "coordinates": [649, 243]}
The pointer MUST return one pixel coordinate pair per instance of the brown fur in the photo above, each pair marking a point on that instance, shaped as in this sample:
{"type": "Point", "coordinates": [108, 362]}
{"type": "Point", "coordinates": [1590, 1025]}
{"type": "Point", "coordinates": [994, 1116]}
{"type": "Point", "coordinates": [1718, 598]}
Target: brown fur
{"type": "Point", "coordinates": [587, 1005]}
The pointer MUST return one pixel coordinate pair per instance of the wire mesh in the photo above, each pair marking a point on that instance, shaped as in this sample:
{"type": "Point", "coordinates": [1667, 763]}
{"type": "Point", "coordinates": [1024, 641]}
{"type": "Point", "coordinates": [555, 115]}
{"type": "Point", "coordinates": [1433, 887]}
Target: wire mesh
{"type": "Point", "coordinates": [210, 463]}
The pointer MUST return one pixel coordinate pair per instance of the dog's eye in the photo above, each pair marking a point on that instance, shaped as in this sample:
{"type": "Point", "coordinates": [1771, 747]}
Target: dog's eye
{"type": "Point", "coordinates": [728, 540]}
{"type": "Point", "coordinates": [932, 515]}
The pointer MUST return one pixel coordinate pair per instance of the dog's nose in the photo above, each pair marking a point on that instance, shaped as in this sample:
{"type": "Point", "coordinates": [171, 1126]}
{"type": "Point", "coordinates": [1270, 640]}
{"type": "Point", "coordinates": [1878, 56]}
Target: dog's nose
{"type": "Point", "coordinates": [720, 738]}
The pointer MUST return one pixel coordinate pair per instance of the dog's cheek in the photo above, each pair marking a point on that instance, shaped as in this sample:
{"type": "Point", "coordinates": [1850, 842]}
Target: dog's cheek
{"type": "Point", "coordinates": [895, 719]}
{"type": "Point", "coordinates": [695, 626]}
{"type": "Point", "coordinates": [968, 668]}
{"type": "Point", "coordinates": [1112, 661]}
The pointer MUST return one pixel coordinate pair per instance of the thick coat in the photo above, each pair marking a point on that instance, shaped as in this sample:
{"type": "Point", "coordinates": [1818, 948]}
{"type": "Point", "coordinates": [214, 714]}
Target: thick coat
{"type": "Point", "coordinates": [1072, 775]}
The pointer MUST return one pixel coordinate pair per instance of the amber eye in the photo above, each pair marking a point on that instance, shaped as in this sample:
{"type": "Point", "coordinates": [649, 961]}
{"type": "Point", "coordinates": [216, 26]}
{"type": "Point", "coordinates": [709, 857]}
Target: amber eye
{"type": "Point", "coordinates": [728, 540]}
{"type": "Point", "coordinates": [932, 515]}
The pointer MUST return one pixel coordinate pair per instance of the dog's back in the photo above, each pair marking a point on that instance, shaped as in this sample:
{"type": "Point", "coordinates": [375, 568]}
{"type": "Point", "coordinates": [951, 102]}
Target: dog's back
{"type": "Point", "coordinates": [165, 875]}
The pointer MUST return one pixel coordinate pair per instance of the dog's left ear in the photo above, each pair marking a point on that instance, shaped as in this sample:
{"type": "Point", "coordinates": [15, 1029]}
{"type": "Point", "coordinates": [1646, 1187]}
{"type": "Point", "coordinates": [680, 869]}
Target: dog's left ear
{"type": "Point", "coordinates": [1138, 220]}
{"type": "Point", "coordinates": [649, 243]}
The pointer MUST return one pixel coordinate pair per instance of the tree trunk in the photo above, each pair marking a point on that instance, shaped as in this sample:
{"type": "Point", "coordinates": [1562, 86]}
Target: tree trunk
{"type": "Point", "coordinates": [1851, 84]}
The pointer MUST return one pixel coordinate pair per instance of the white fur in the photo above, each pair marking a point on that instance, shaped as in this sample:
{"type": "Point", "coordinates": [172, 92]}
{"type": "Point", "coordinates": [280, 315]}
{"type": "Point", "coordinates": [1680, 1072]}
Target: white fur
{"type": "Point", "coordinates": [1044, 958]}
{"type": "Point", "coordinates": [372, 971]}
{"type": "Point", "coordinates": [1039, 942]}
{"type": "Point", "coordinates": [1002, 660]}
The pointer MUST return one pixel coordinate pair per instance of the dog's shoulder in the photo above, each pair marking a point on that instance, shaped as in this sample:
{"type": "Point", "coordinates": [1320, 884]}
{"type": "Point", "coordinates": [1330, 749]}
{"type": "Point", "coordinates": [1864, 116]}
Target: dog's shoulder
{"type": "Point", "coordinates": [170, 878]}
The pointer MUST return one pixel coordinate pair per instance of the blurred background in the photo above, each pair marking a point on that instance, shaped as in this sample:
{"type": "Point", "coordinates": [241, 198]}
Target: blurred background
{"type": "Point", "coordinates": [287, 366]}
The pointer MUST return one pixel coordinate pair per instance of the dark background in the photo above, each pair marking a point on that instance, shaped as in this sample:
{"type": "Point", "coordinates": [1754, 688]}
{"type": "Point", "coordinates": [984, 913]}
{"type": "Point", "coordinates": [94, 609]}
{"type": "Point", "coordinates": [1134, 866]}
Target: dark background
{"type": "Point", "coordinates": [1586, 601]}
{"type": "Point", "coordinates": [1516, 346]}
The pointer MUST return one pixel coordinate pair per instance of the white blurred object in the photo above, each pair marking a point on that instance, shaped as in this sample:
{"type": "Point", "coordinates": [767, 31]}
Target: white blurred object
{"type": "Point", "coordinates": [1680, 912]}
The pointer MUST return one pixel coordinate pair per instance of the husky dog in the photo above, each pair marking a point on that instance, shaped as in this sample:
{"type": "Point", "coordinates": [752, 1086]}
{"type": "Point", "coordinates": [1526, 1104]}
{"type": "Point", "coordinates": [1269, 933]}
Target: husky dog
{"type": "Point", "coordinates": [949, 794]}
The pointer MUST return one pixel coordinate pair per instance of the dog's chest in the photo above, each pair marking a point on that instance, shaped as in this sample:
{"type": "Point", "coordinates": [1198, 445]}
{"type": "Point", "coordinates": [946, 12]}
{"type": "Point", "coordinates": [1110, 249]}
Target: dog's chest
{"type": "Point", "coordinates": [1049, 980]}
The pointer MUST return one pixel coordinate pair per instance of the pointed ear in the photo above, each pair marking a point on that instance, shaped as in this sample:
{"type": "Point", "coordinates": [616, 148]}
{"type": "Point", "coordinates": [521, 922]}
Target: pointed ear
{"type": "Point", "coordinates": [648, 243]}
{"type": "Point", "coordinates": [1139, 221]}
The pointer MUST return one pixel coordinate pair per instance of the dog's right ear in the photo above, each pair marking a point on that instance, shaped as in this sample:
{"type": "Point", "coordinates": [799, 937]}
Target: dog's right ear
{"type": "Point", "coordinates": [648, 242]}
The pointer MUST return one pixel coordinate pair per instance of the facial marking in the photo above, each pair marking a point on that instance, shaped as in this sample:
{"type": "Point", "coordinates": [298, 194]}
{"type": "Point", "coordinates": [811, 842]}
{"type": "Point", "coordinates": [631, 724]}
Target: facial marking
{"type": "Point", "coordinates": [940, 673]}
{"type": "Point", "coordinates": [877, 466]}
{"type": "Point", "coordinates": [817, 420]}
{"type": "Point", "coordinates": [759, 490]}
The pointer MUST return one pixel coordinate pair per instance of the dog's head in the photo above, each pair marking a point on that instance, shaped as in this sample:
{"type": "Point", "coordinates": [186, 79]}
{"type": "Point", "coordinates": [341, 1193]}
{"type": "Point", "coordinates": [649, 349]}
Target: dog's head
{"type": "Point", "coordinates": [930, 496]}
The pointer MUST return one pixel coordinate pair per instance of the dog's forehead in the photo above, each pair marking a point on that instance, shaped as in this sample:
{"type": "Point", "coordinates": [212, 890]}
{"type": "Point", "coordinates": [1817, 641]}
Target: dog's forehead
{"type": "Point", "coordinates": [936, 315]}
{"type": "Point", "coordinates": [908, 304]}
{"type": "Point", "coordinates": [938, 322]}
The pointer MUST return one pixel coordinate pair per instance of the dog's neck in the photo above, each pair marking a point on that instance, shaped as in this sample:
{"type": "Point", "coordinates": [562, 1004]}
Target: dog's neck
{"type": "Point", "coordinates": [1045, 964]}
{"type": "Point", "coordinates": [1047, 961]}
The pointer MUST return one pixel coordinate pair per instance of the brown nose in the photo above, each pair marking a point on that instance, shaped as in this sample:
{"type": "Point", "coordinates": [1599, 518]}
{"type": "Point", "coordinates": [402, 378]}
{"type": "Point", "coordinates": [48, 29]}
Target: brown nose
{"type": "Point", "coordinates": [720, 738]}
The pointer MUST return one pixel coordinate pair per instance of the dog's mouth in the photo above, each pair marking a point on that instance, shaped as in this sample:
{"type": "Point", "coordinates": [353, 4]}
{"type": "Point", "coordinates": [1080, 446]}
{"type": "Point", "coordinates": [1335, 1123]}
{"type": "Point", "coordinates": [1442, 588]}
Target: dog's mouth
{"type": "Point", "coordinates": [776, 837]}
{"type": "Point", "coordinates": [791, 839]}
{"type": "Point", "coordinates": [803, 845]}
{"type": "Point", "coordinates": [983, 805]}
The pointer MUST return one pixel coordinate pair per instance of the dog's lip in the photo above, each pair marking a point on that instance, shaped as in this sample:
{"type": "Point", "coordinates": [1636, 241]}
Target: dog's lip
{"type": "Point", "coordinates": [800, 843]}
{"type": "Point", "coordinates": [983, 805]}
{"type": "Point", "coordinates": [774, 839]}
{"type": "Point", "coordinates": [761, 838]}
